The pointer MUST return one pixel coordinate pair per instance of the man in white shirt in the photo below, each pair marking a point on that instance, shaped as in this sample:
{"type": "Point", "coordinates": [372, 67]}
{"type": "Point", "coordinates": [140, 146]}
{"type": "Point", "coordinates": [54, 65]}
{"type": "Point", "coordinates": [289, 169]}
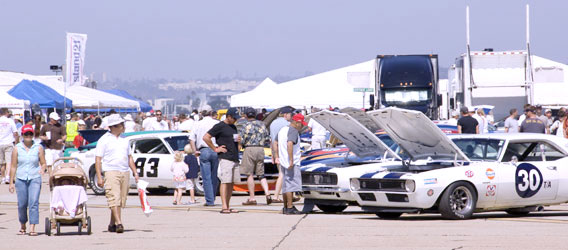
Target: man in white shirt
{"type": "Point", "coordinates": [147, 122]}
{"type": "Point", "coordinates": [159, 123]}
{"type": "Point", "coordinates": [113, 157]}
{"type": "Point", "coordinates": [8, 135]}
{"type": "Point", "coordinates": [209, 162]}
{"type": "Point", "coordinates": [186, 123]}
{"type": "Point", "coordinates": [318, 135]}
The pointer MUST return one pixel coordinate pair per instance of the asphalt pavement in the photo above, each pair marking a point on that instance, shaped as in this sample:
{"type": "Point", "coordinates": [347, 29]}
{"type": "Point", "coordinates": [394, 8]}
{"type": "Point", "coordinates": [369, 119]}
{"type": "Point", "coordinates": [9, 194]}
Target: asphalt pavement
{"type": "Point", "coordinates": [264, 227]}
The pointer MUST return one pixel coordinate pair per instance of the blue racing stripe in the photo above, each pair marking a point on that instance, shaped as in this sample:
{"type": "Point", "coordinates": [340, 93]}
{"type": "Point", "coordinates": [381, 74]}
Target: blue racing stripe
{"type": "Point", "coordinates": [369, 175]}
{"type": "Point", "coordinates": [393, 175]}
{"type": "Point", "coordinates": [322, 169]}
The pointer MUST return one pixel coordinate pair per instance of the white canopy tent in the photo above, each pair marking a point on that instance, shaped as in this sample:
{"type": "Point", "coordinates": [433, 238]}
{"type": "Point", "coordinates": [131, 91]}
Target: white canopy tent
{"type": "Point", "coordinates": [333, 88]}
{"type": "Point", "coordinates": [256, 98]}
{"type": "Point", "coordinates": [82, 97]}
{"type": "Point", "coordinates": [8, 101]}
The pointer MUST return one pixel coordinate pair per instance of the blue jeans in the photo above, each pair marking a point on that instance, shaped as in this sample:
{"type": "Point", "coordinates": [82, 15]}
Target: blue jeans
{"type": "Point", "coordinates": [208, 164]}
{"type": "Point", "coordinates": [28, 197]}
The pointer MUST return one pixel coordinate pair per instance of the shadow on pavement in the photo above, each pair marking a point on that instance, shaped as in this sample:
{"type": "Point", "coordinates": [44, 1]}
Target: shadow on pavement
{"type": "Point", "coordinates": [432, 217]}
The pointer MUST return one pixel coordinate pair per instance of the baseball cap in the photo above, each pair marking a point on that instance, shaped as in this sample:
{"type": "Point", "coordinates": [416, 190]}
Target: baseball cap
{"type": "Point", "coordinates": [233, 112]}
{"type": "Point", "coordinates": [299, 118]}
{"type": "Point", "coordinates": [464, 110]}
{"type": "Point", "coordinates": [286, 110]}
{"type": "Point", "coordinates": [114, 119]}
{"type": "Point", "coordinates": [548, 111]}
{"type": "Point", "coordinates": [250, 112]}
{"type": "Point", "coordinates": [27, 128]}
{"type": "Point", "coordinates": [54, 116]}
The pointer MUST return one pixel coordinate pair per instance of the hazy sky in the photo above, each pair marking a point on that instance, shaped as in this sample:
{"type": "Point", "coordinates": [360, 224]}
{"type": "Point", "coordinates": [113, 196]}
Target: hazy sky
{"type": "Point", "coordinates": [206, 39]}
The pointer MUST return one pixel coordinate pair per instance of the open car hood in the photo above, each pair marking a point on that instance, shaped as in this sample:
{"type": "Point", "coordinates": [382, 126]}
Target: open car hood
{"type": "Point", "coordinates": [356, 137]}
{"type": "Point", "coordinates": [363, 118]}
{"type": "Point", "coordinates": [416, 134]}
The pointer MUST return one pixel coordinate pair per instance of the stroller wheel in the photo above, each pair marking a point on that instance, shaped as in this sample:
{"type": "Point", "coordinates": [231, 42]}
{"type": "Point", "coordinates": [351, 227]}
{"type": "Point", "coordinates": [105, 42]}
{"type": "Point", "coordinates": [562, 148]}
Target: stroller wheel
{"type": "Point", "coordinates": [47, 226]}
{"type": "Point", "coordinates": [58, 225]}
{"type": "Point", "coordinates": [88, 225]}
{"type": "Point", "coordinates": [79, 227]}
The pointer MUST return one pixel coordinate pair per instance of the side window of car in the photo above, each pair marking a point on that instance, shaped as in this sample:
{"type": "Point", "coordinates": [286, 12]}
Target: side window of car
{"type": "Point", "coordinates": [544, 151]}
{"type": "Point", "coordinates": [516, 151]}
{"type": "Point", "coordinates": [150, 146]}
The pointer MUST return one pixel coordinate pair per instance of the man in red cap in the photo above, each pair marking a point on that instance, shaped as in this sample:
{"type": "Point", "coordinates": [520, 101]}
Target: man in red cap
{"type": "Point", "coordinates": [289, 154]}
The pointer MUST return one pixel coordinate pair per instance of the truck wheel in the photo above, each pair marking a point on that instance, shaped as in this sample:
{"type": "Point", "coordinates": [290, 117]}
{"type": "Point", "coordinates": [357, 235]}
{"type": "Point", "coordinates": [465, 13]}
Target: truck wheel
{"type": "Point", "coordinates": [93, 182]}
{"type": "Point", "coordinates": [331, 208]}
{"type": "Point", "coordinates": [388, 216]}
{"type": "Point", "coordinates": [458, 201]}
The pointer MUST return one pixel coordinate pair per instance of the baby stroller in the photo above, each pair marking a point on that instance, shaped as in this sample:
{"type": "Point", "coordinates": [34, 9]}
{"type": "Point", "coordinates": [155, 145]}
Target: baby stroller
{"type": "Point", "coordinates": [68, 201]}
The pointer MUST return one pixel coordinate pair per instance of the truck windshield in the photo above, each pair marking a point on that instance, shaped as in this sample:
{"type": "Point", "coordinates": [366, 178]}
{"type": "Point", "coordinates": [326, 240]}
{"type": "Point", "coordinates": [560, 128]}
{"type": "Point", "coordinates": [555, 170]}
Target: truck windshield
{"type": "Point", "coordinates": [405, 95]}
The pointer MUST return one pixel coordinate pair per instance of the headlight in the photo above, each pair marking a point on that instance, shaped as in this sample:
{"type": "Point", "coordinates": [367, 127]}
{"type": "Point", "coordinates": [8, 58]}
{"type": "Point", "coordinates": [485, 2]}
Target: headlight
{"type": "Point", "coordinates": [355, 184]}
{"type": "Point", "coordinates": [409, 185]}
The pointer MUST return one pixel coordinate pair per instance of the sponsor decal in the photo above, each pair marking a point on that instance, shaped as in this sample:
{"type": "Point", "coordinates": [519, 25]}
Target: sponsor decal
{"type": "Point", "coordinates": [547, 184]}
{"type": "Point", "coordinates": [490, 174]}
{"type": "Point", "coordinates": [469, 173]}
{"type": "Point", "coordinates": [430, 181]}
{"type": "Point", "coordinates": [528, 180]}
{"type": "Point", "coordinates": [491, 189]}
{"type": "Point", "coordinates": [430, 192]}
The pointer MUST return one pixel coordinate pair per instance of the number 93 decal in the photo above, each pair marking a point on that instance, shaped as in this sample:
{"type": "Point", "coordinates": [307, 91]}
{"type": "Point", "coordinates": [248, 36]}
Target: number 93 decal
{"type": "Point", "coordinates": [528, 180]}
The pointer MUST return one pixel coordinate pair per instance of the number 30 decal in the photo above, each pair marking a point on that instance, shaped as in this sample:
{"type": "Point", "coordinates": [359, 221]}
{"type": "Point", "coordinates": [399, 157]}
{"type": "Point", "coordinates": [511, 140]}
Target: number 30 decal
{"type": "Point", "coordinates": [528, 180]}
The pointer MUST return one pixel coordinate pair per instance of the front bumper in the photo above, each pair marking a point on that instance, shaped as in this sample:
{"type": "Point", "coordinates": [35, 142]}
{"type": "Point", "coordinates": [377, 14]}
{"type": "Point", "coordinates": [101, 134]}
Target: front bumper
{"type": "Point", "coordinates": [332, 193]}
{"type": "Point", "coordinates": [382, 199]}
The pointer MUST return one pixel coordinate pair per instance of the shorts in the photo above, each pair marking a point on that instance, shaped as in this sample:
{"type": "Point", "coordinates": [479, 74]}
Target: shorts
{"type": "Point", "coordinates": [292, 180]}
{"type": "Point", "coordinates": [51, 155]}
{"type": "Point", "coordinates": [253, 161]}
{"type": "Point", "coordinates": [228, 171]}
{"type": "Point", "coordinates": [190, 183]}
{"type": "Point", "coordinates": [180, 184]}
{"type": "Point", "coordinates": [116, 187]}
{"type": "Point", "coordinates": [6, 153]}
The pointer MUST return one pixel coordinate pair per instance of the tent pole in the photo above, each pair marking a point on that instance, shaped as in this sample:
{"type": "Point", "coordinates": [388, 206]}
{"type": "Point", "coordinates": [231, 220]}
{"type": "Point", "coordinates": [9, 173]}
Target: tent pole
{"type": "Point", "coordinates": [64, 104]}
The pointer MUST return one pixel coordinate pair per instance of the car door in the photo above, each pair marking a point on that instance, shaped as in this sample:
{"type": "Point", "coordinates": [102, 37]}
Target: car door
{"type": "Point", "coordinates": [526, 177]}
{"type": "Point", "coordinates": [153, 160]}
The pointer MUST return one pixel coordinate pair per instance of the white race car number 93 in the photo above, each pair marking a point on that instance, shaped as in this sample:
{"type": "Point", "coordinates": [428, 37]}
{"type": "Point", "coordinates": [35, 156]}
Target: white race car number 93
{"type": "Point", "coordinates": [528, 180]}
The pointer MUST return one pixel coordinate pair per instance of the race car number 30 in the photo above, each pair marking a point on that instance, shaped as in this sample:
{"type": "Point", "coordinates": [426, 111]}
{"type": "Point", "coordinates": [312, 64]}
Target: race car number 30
{"type": "Point", "coordinates": [528, 180]}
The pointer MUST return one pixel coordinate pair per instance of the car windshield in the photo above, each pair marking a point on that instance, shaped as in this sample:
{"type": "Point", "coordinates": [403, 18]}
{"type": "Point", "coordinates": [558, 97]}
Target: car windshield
{"type": "Point", "coordinates": [480, 149]}
{"type": "Point", "coordinates": [177, 142]}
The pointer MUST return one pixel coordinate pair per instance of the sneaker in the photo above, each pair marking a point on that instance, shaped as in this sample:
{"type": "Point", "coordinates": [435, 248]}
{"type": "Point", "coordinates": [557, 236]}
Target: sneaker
{"type": "Point", "coordinates": [119, 228]}
{"type": "Point", "coordinates": [293, 211]}
{"type": "Point", "coordinates": [112, 228]}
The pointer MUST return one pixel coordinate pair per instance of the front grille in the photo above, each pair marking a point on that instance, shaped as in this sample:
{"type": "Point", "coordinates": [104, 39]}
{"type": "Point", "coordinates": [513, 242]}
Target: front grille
{"type": "Point", "coordinates": [317, 178]}
{"type": "Point", "coordinates": [397, 197]}
{"type": "Point", "coordinates": [395, 185]}
{"type": "Point", "coordinates": [367, 196]}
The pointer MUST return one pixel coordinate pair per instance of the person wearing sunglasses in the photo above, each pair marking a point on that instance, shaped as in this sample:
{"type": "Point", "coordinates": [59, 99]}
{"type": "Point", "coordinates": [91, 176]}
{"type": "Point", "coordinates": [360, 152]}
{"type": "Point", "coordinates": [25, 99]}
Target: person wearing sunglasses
{"type": "Point", "coordinates": [28, 164]}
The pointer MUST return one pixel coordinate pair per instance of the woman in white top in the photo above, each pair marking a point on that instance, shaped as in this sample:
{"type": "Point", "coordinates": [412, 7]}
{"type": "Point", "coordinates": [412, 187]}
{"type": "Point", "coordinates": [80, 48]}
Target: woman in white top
{"type": "Point", "coordinates": [179, 168]}
{"type": "Point", "coordinates": [557, 127]}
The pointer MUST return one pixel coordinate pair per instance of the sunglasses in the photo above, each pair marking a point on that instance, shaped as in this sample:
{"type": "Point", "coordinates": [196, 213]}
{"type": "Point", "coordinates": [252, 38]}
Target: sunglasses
{"type": "Point", "coordinates": [29, 134]}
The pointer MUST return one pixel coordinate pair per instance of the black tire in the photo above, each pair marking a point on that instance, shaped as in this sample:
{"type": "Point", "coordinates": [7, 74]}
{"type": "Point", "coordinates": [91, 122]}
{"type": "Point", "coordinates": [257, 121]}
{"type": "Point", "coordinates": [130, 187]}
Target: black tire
{"type": "Point", "coordinates": [89, 225]}
{"type": "Point", "coordinates": [388, 215]}
{"type": "Point", "coordinates": [458, 201]}
{"type": "Point", "coordinates": [80, 227]}
{"type": "Point", "coordinates": [58, 226]}
{"type": "Point", "coordinates": [93, 181]}
{"type": "Point", "coordinates": [517, 212]}
{"type": "Point", "coordinates": [331, 208]}
{"type": "Point", "coordinates": [47, 226]}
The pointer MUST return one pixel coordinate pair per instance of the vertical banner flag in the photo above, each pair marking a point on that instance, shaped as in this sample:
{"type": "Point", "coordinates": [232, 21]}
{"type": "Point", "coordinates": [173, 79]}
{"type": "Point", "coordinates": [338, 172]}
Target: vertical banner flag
{"type": "Point", "coordinates": [75, 62]}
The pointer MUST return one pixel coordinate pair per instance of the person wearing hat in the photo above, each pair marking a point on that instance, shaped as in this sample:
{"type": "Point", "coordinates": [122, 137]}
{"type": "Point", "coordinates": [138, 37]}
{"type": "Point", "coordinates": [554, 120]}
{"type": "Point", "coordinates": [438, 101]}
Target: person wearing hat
{"type": "Point", "coordinates": [79, 140]}
{"type": "Point", "coordinates": [129, 124]}
{"type": "Point", "coordinates": [227, 138]}
{"type": "Point", "coordinates": [467, 124]}
{"type": "Point", "coordinates": [290, 155]}
{"type": "Point", "coordinates": [25, 178]}
{"type": "Point", "coordinates": [113, 157]}
{"type": "Point", "coordinates": [72, 130]}
{"type": "Point", "coordinates": [532, 124]}
{"type": "Point", "coordinates": [454, 118]}
{"type": "Point", "coordinates": [53, 135]}
{"type": "Point", "coordinates": [254, 136]}
{"type": "Point", "coordinates": [283, 120]}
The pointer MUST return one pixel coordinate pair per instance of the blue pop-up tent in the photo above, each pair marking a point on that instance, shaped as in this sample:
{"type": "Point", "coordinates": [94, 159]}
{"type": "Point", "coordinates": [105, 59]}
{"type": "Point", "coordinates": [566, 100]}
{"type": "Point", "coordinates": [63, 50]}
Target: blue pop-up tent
{"type": "Point", "coordinates": [38, 93]}
{"type": "Point", "coordinates": [144, 107]}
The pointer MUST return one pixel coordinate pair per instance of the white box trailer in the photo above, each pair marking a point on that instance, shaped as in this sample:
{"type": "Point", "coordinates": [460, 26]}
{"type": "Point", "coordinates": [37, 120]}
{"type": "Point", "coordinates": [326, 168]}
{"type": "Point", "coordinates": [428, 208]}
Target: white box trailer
{"type": "Point", "coordinates": [498, 78]}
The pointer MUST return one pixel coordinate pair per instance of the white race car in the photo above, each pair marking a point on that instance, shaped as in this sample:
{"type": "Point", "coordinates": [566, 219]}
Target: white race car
{"type": "Point", "coordinates": [327, 185]}
{"type": "Point", "coordinates": [153, 153]}
{"type": "Point", "coordinates": [516, 173]}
